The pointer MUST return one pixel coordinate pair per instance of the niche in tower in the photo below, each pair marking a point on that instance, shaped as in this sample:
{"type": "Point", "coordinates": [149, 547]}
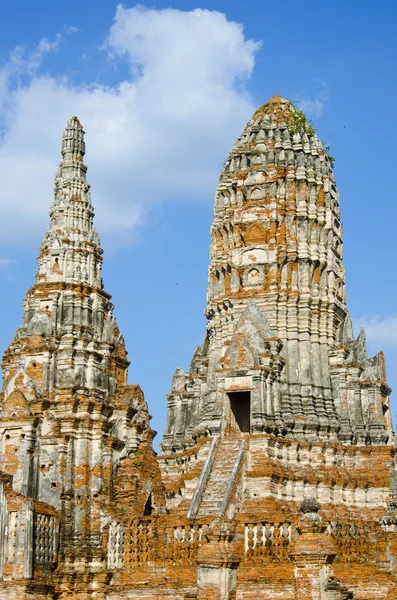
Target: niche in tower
{"type": "Point", "coordinates": [240, 412]}
{"type": "Point", "coordinates": [148, 507]}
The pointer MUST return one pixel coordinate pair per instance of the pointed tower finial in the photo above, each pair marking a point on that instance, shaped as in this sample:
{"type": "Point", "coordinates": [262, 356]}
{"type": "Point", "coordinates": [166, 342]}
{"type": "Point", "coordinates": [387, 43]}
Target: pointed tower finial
{"type": "Point", "coordinates": [73, 138]}
{"type": "Point", "coordinates": [71, 251]}
{"type": "Point", "coordinates": [73, 151]}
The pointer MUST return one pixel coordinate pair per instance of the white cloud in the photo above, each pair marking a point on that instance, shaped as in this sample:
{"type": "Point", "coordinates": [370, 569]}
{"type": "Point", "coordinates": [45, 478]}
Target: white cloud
{"type": "Point", "coordinates": [380, 331]}
{"type": "Point", "coordinates": [22, 62]}
{"type": "Point", "coordinates": [313, 106]}
{"type": "Point", "coordinates": [5, 262]}
{"type": "Point", "coordinates": [21, 67]}
{"type": "Point", "coordinates": [160, 133]}
{"type": "Point", "coordinates": [72, 29]}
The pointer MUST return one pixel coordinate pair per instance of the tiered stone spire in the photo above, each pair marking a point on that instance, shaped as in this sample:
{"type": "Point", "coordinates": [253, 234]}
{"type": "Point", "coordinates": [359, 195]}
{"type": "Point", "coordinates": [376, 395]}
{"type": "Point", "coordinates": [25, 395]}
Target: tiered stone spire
{"type": "Point", "coordinates": [67, 306]}
{"type": "Point", "coordinates": [70, 251]}
{"type": "Point", "coordinates": [278, 325]}
{"type": "Point", "coordinates": [67, 415]}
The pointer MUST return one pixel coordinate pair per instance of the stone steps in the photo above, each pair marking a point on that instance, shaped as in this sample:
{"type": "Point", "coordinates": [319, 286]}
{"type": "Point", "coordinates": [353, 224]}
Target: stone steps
{"type": "Point", "coordinates": [219, 478]}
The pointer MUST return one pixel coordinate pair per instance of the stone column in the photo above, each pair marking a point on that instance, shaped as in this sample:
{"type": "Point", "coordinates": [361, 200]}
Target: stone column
{"type": "Point", "coordinates": [28, 540]}
{"type": "Point", "coordinates": [217, 564]}
{"type": "Point", "coordinates": [3, 512]}
{"type": "Point", "coordinates": [312, 553]}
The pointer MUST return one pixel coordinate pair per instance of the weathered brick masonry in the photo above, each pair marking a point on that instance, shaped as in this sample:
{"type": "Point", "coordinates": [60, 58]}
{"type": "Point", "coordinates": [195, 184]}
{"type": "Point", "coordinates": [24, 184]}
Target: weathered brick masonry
{"type": "Point", "coordinates": [277, 478]}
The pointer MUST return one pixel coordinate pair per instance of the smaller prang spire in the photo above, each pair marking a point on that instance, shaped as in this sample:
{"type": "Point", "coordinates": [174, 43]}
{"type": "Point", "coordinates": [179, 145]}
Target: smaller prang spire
{"type": "Point", "coordinates": [73, 138]}
{"type": "Point", "coordinates": [73, 150]}
{"type": "Point", "coordinates": [71, 251]}
{"type": "Point", "coordinates": [67, 312]}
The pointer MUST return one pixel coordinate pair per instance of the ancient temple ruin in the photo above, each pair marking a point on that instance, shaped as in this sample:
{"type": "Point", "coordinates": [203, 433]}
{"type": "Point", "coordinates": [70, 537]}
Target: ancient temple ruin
{"type": "Point", "coordinates": [277, 476]}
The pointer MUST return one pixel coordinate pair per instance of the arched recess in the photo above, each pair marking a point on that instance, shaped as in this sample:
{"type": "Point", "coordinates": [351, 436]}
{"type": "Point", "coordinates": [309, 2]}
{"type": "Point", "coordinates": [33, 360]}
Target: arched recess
{"type": "Point", "coordinates": [257, 193]}
{"type": "Point", "coordinates": [253, 276]}
{"type": "Point", "coordinates": [255, 234]}
{"type": "Point", "coordinates": [218, 242]}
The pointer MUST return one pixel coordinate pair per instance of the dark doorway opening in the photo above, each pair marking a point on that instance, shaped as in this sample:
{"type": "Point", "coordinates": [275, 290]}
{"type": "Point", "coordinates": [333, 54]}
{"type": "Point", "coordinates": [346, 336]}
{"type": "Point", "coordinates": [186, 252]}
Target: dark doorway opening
{"type": "Point", "coordinates": [148, 506]}
{"type": "Point", "coordinates": [240, 411]}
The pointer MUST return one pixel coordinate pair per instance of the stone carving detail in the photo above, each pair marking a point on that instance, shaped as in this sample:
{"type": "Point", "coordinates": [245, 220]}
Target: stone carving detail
{"type": "Point", "coordinates": [149, 542]}
{"type": "Point", "coordinates": [310, 506]}
{"type": "Point", "coordinates": [267, 542]}
{"type": "Point", "coordinates": [186, 543]}
{"type": "Point", "coordinates": [352, 540]}
{"type": "Point", "coordinates": [116, 546]}
{"type": "Point", "coordinates": [45, 540]}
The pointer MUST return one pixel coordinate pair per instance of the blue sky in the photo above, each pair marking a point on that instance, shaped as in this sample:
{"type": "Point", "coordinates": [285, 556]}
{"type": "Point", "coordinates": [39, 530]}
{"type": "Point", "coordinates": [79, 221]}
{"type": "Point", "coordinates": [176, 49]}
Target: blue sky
{"type": "Point", "coordinates": [162, 92]}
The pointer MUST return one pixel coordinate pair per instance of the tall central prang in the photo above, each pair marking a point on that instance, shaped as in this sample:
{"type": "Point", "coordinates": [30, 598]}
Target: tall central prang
{"type": "Point", "coordinates": [279, 354]}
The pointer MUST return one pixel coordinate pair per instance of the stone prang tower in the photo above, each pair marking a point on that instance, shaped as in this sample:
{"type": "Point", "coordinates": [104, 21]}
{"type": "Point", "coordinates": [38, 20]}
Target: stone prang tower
{"type": "Point", "coordinates": [277, 478]}
{"type": "Point", "coordinates": [279, 332]}
{"type": "Point", "coordinates": [68, 419]}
